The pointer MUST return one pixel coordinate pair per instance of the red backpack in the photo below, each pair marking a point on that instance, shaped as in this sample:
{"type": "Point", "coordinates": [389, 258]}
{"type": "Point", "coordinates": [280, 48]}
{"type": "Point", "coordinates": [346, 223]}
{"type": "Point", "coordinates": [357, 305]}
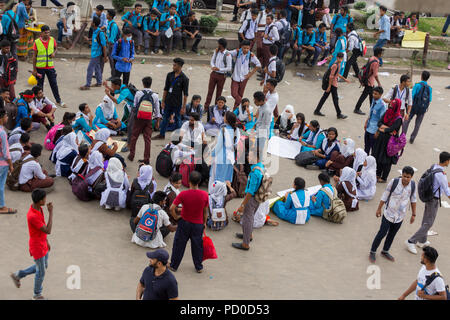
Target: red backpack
{"type": "Point", "coordinates": [186, 167]}
{"type": "Point", "coordinates": [80, 185]}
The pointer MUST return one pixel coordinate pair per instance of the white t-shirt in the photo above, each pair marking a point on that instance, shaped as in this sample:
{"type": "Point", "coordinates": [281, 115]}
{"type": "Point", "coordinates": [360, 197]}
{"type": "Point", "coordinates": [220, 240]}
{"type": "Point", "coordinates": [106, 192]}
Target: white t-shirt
{"type": "Point", "coordinates": [194, 135]}
{"type": "Point", "coordinates": [438, 284]}
{"type": "Point", "coordinates": [401, 94]}
{"type": "Point", "coordinates": [272, 100]}
{"type": "Point", "coordinates": [163, 220]}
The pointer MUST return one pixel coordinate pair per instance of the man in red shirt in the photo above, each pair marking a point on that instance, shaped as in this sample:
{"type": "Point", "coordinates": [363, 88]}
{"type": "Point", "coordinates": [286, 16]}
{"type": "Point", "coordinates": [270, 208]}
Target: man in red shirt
{"type": "Point", "coordinates": [191, 222]}
{"type": "Point", "coordinates": [39, 246]}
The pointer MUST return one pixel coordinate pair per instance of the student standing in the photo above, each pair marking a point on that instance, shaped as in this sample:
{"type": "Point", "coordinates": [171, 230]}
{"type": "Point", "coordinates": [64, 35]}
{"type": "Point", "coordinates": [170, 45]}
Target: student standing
{"type": "Point", "coordinates": [399, 194]}
{"type": "Point", "coordinates": [262, 125]}
{"type": "Point", "coordinates": [309, 13]}
{"type": "Point", "coordinates": [99, 55]}
{"type": "Point", "coordinates": [241, 72]}
{"type": "Point", "coordinates": [133, 20]}
{"type": "Point", "coordinates": [44, 51]}
{"type": "Point", "coordinates": [143, 126]}
{"type": "Point", "coordinates": [422, 97]}
{"type": "Point", "coordinates": [8, 68]}
{"type": "Point", "coordinates": [248, 29]}
{"type": "Point", "coordinates": [332, 88]}
{"type": "Point", "coordinates": [373, 64]}
{"type": "Point", "coordinates": [440, 187]}
{"type": "Point", "coordinates": [123, 53]}
{"type": "Point", "coordinates": [429, 284]}
{"type": "Point", "coordinates": [270, 36]}
{"type": "Point", "coordinates": [5, 163]}
{"type": "Point", "coordinates": [377, 110]}
{"type": "Point", "coordinates": [191, 224]}
{"type": "Point", "coordinates": [191, 29]}
{"type": "Point", "coordinates": [384, 29]}
{"type": "Point", "coordinates": [340, 21]}
{"type": "Point", "coordinates": [294, 11]}
{"type": "Point", "coordinates": [221, 63]}
{"type": "Point", "coordinates": [38, 243]}
{"type": "Point", "coordinates": [402, 92]}
{"type": "Point", "coordinates": [354, 46]}
{"type": "Point", "coordinates": [157, 283]}
{"type": "Point", "coordinates": [174, 97]}
{"type": "Point", "coordinates": [112, 34]}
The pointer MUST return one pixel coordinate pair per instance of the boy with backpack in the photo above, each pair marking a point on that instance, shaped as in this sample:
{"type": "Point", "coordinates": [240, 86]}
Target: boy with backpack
{"type": "Point", "coordinates": [248, 29]}
{"type": "Point", "coordinates": [30, 174]}
{"type": "Point", "coordinates": [367, 77]}
{"type": "Point", "coordinates": [146, 106]}
{"type": "Point", "coordinates": [133, 20]}
{"type": "Point", "coordinates": [112, 35]}
{"type": "Point", "coordinates": [23, 106]}
{"type": "Point", "coordinates": [123, 53]}
{"type": "Point", "coordinates": [401, 91]}
{"type": "Point", "coordinates": [285, 32]}
{"type": "Point", "coordinates": [356, 47]}
{"type": "Point", "coordinates": [330, 85]}
{"type": "Point", "coordinates": [8, 71]}
{"type": "Point", "coordinates": [422, 96]}
{"type": "Point", "coordinates": [399, 194]}
{"type": "Point", "coordinates": [432, 185]}
{"type": "Point", "coordinates": [151, 31]}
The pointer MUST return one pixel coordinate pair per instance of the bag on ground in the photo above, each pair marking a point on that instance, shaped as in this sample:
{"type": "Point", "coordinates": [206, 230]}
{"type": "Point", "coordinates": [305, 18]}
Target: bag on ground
{"type": "Point", "coordinates": [164, 164]}
{"type": "Point", "coordinates": [209, 251]}
{"type": "Point", "coordinates": [337, 211]}
{"type": "Point", "coordinates": [12, 180]}
{"type": "Point", "coordinates": [305, 158]}
{"type": "Point", "coordinates": [186, 167]}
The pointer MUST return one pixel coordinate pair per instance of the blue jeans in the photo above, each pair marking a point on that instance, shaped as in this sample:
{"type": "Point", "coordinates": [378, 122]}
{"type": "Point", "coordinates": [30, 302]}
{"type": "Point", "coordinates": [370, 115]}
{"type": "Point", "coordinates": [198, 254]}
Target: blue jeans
{"type": "Point", "coordinates": [94, 65]}
{"type": "Point", "coordinates": [167, 114]}
{"type": "Point", "coordinates": [3, 175]}
{"type": "Point", "coordinates": [380, 43]}
{"type": "Point", "coordinates": [60, 27]}
{"type": "Point", "coordinates": [38, 268]}
{"type": "Point", "coordinates": [446, 24]}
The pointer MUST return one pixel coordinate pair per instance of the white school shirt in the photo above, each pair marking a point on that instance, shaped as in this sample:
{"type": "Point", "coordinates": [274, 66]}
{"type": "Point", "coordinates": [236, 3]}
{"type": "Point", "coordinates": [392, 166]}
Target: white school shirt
{"type": "Point", "coordinates": [272, 100]}
{"type": "Point", "coordinates": [352, 41]}
{"type": "Point", "coordinates": [217, 61]}
{"type": "Point", "coordinates": [192, 135]}
{"type": "Point", "coordinates": [246, 15]}
{"type": "Point", "coordinates": [163, 220]}
{"type": "Point", "coordinates": [399, 202]}
{"type": "Point", "coordinates": [241, 67]}
{"type": "Point", "coordinates": [14, 136]}
{"type": "Point", "coordinates": [261, 19]}
{"type": "Point", "coordinates": [438, 284]}
{"type": "Point", "coordinates": [250, 33]}
{"type": "Point", "coordinates": [440, 182]}
{"type": "Point", "coordinates": [37, 105]}
{"type": "Point", "coordinates": [30, 170]}
{"type": "Point", "coordinates": [15, 155]}
{"type": "Point", "coordinates": [273, 34]}
{"type": "Point", "coordinates": [295, 134]}
{"type": "Point", "coordinates": [140, 94]}
{"type": "Point", "coordinates": [271, 67]}
{"type": "Point", "coordinates": [401, 94]}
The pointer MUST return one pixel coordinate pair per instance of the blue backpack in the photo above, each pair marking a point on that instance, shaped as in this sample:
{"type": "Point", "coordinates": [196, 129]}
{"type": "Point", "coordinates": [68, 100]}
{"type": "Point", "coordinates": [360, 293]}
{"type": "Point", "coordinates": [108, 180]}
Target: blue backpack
{"type": "Point", "coordinates": [147, 227]}
{"type": "Point", "coordinates": [421, 100]}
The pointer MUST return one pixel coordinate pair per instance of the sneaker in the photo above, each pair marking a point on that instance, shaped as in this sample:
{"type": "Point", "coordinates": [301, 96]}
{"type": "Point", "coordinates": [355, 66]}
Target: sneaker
{"type": "Point", "coordinates": [62, 104]}
{"type": "Point", "coordinates": [158, 137]}
{"type": "Point", "coordinates": [411, 141]}
{"type": "Point", "coordinates": [342, 116]}
{"type": "Point", "coordinates": [16, 280]}
{"type": "Point", "coordinates": [411, 247]}
{"type": "Point", "coordinates": [421, 245]}
{"type": "Point", "coordinates": [388, 256]}
{"type": "Point", "coordinates": [372, 257]}
{"type": "Point", "coordinates": [171, 269]}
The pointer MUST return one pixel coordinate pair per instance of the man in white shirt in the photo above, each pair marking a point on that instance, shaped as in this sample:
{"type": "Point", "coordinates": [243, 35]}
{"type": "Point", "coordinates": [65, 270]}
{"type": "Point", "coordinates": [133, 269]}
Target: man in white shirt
{"type": "Point", "coordinates": [429, 284]}
{"type": "Point", "coordinates": [248, 29]}
{"type": "Point", "coordinates": [282, 25]}
{"type": "Point", "coordinates": [402, 91]}
{"type": "Point", "coordinates": [440, 187]}
{"type": "Point", "coordinates": [262, 125]}
{"type": "Point", "coordinates": [270, 70]}
{"type": "Point", "coordinates": [269, 38]}
{"type": "Point", "coordinates": [163, 226]}
{"type": "Point", "coordinates": [272, 97]}
{"type": "Point", "coordinates": [221, 64]}
{"type": "Point", "coordinates": [26, 125]}
{"type": "Point", "coordinates": [261, 20]}
{"type": "Point", "coordinates": [192, 132]}
{"type": "Point", "coordinates": [241, 72]}
{"type": "Point", "coordinates": [399, 193]}
{"type": "Point", "coordinates": [16, 150]}
{"type": "Point", "coordinates": [31, 174]}
{"type": "Point", "coordinates": [42, 109]}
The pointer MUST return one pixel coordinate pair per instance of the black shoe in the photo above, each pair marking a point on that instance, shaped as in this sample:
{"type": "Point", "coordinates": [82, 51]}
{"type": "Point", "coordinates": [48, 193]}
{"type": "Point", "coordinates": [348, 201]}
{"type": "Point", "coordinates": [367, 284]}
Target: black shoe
{"type": "Point", "coordinates": [318, 113]}
{"type": "Point", "coordinates": [241, 236]}
{"type": "Point", "coordinates": [234, 19]}
{"type": "Point", "coordinates": [372, 257]}
{"type": "Point", "coordinates": [124, 139]}
{"type": "Point", "coordinates": [388, 256]}
{"type": "Point", "coordinates": [289, 62]}
{"type": "Point", "coordinates": [195, 50]}
{"type": "Point", "coordinates": [411, 141]}
{"type": "Point", "coordinates": [341, 116]}
{"type": "Point", "coordinates": [110, 78]}
{"type": "Point", "coordinates": [357, 111]}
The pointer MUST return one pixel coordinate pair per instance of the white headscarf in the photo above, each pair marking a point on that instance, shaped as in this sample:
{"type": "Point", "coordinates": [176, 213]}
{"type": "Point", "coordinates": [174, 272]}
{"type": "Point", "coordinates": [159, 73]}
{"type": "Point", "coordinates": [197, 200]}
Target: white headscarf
{"type": "Point", "coordinates": [218, 192]}
{"type": "Point", "coordinates": [108, 107]}
{"type": "Point", "coordinates": [347, 147]}
{"type": "Point", "coordinates": [360, 157]}
{"type": "Point", "coordinates": [102, 135]}
{"type": "Point", "coordinates": [369, 172]}
{"type": "Point", "coordinates": [115, 170]}
{"type": "Point", "coordinates": [95, 160]}
{"type": "Point", "coordinates": [68, 144]}
{"type": "Point", "coordinates": [348, 174]}
{"type": "Point", "coordinates": [145, 176]}
{"type": "Point", "coordinates": [288, 110]}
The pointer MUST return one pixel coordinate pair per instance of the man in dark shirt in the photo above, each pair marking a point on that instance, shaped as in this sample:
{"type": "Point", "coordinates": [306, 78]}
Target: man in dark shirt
{"type": "Point", "coordinates": [157, 282]}
{"type": "Point", "coordinates": [191, 30]}
{"type": "Point", "coordinates": [174, 97]}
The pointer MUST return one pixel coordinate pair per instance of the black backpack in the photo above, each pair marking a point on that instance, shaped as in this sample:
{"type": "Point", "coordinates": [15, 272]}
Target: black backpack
{"type": "Point", "coordinates": [140, 197]}
{"type": "Point", "coordinates": [285, 34]}
{"type": "Point", "coordinates": [132, 89]}
{"type": "Point", "coordinates": [164, 164]}
{"type": "Point", "coordinates": [281, 69]}
{"type": "Point", "coordinates": [364, 73]}
{"type": "Point", "coordinates": [12, 34]}
{"type": "Point", "coordinates": [326, 77]}
{"type": "Point", "coordinates": [421, 101]}
{"type": "Point", "coordinates": [425, 188]}
{"type": "Point", "coordinates": [431, 278]}
{"type": "Point", "coordinates": [119, 48]}
{"type": "Point", "coordinates": [395, 91]}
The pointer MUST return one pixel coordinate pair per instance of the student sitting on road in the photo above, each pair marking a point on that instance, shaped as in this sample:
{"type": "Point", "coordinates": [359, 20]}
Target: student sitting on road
{"type": "Point", "coordinates": [295, 208]}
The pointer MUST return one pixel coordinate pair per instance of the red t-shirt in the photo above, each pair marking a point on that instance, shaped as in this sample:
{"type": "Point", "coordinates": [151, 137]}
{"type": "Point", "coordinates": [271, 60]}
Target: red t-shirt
{"type": "Point", "coordinates": [45, 43]}
{"type": "Point", "coordinates": [193, 201]}
{"type": "Point", "coordinates": [38, 239]}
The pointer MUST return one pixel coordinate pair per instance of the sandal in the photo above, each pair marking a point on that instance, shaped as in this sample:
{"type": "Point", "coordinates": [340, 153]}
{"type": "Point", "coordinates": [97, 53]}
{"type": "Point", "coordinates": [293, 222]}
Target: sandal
{"type": "Point", "coordinates": [9, 211]}
{"type": "Point", "coordinates": [272, 223]}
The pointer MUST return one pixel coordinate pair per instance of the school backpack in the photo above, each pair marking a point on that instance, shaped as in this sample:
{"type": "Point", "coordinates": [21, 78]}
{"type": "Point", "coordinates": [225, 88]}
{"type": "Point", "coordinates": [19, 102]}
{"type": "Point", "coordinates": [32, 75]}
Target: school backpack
{"type": "Point", "coordinates": [12, 180]}
{"type": "Point", "coordinates": [361, 44]}
{"type": "Point", "coordinates": [265, 189]}
{"type": "Point", "coordinates": [395, 184]}
{"type": "Point", "coordinates": [281, 69]}
{"type": "Point", "coordinates": [80, 184]}
{"type": "Point", "coordinates": [425, 187]}
{"type": "Point", "coordinates": [228, 73]}
{"type": "Point", "coordinates": [132, 89]}
{"type": "Point", "coordinates": [240, 179]}
{"type": "Point", "coordinates": [13, 34]}
{"type": "Point", "coordinates": [145, 106]}
{"type": "Point", "coordinates": [186, 167]}
{"type": "Point", "coordinates": [395, 91]}
{"type": "Point", "coordinates": [140, 197]}
{"type": "Point", "coordinates": [305, 158]}
{"type": "Point", "coordinates": [431, 278]}
{"type": "Point", "coordinates": [147, 228]}
{"type": "Point", "coordinates": [217, 218]}
{"type": "Point", "coordinates": [164, 164]}
{"type": "Point", "coordinates": [119, 47]}
{"type": "Point", "coordinates": [326, 77]}
{"type": "Point", "coordinates": [421, 100]}
{"type": "Point", "coordinates": [118, 36]}
{"type": "Point", "coordinates": [285, 34]}
{"type": "Point", "coordinates": [364, 73]}
{"type": "Point", "coordinates": [337, 211]}
{"type": "Point", "coordinates": [49, 138]}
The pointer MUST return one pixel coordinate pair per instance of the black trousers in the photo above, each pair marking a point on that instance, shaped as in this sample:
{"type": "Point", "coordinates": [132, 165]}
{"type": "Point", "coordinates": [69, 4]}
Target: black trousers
{"type": "Point", "coordinates": [387, 228]}
{"type": "Point", "coordinates": [366, 92]}
{"type": "Point", "coordinates": [184, 37]}
{"type": "Point", "coordinates": [383, 170]}
{"type": "Point", "coordinates": [126, 76]}
{"type": "Point", "coordinates": [188, 231]}
{"type": "Point", "coordinates": [352, 62]}
{"type": "Point", "coordinates": [369, 141]}
{"type": "Point", "coordinates": [324, 98]}
{"type": "Point", "coordinates": [334, 5]}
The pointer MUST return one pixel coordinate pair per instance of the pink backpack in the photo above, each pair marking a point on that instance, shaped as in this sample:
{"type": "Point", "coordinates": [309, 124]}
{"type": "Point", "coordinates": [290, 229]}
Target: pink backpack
{"type": "Point", "coordinates": [48, 142]}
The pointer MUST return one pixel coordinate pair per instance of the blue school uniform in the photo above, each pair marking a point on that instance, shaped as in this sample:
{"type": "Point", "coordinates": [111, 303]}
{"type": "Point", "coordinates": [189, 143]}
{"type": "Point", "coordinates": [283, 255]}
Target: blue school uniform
{"type": "Point", "coordinates": [341, 46]}
{"type": "Point", "coordinates": [100, 120]}
{"type": "Point", "coordinates": [310, 138]}
{"type": "Point", "coordinates": [165, 26]}
{"type": "Point", "coordinates": [316, 208]}
{"type": "Point", "coordinates": [222, 169]}
{"type": "Point", "coordinates": [293, 211]}
{"type": "Point", "coordinates": [133, 17]}
{"type": "Point", "coordinates": [22, 111]}
{"type": "Point", "coordinates": [161, 5]}
{"type": "Point", "coordinates": [82, 125]}
{"type": "Point", "coordinates": [327, 152]}
{"type": "Point", "coordinates": [341, 22]}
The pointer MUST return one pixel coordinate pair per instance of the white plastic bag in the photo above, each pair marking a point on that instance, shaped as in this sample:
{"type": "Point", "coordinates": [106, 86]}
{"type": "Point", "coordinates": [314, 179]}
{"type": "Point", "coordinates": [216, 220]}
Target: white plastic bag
{"type": "Point", "coordinates": [169, 33]}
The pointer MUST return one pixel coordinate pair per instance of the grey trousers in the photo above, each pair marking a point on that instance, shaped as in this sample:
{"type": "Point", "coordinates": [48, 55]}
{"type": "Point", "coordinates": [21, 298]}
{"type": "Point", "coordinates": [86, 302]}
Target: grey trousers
{"type": "Point", "coordinates": [172, 42]}
{"type": "Point", "coordinates": [95, 65]}
{"type": "Point", "coordinates": [429, 215]}
{"type": "Point", "coordinates": [138, 34]}
{"type": "Point", "coordinates": [419, 119]}
{"type": "Point", "coordinates": [248, 219]}
{"type": "Point", "coordinates": [156, 41]}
